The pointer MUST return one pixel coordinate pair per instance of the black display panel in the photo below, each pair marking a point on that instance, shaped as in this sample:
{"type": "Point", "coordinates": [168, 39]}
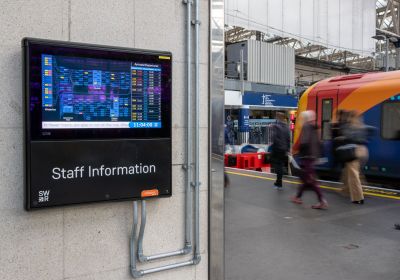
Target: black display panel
{"type": "Point", "coordinates": [97, 123]}
{"type": "Point", "coordinates": [96, 92]}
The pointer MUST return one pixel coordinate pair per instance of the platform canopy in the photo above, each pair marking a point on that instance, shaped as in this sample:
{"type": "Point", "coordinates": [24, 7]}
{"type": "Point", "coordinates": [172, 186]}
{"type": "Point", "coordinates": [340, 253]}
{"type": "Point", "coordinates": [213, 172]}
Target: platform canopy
{"type": "Point", "coordinates": [339, 24]}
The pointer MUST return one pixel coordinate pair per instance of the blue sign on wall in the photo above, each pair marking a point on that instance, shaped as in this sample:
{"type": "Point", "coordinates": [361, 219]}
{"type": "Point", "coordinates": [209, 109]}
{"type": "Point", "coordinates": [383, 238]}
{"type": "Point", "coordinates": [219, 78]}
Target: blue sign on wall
{"type": "Point", "coordinates": [269, 99]}
{"type": "Point", "coordinates": [244, 125]}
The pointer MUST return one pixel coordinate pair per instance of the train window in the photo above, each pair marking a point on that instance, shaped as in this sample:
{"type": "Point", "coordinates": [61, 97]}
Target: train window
{"type": "Point", "coordinates": [391, 120]}
{"type": "Point", "coordinates": [326, 119]}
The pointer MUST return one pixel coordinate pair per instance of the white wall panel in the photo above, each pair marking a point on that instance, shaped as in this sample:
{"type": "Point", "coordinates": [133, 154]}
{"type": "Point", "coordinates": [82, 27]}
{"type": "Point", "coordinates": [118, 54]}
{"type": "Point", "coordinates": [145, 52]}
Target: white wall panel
{"type": "Point", "coordinates": [274, 15]}
{"type": "Point", "coordinates": [322, 22]}
{"type": "Point", "coordinates": [291, 18]}
{"type": "Point", "coordinates": [233, 98]}
{"type": "Point", "coordinates": [368, 8]}
{"type": "Point", "coordinates": [345, 24]}
{"type": "Point", "coordinates": [357, 24]}
{"type": "Point", "coordinates": [242, 11]}
{"type": "Point", "coordinates": [306, 19]}
{"type": "Point", "coordinates": [333, 35]}
{"type": "Point", "coordinates": [258, 8]}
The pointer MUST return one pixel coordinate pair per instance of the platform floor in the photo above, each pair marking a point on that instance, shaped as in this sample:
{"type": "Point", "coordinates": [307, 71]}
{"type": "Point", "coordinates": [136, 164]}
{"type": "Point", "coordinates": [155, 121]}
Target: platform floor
{"type": "Point", "coordinates": [269, 238]}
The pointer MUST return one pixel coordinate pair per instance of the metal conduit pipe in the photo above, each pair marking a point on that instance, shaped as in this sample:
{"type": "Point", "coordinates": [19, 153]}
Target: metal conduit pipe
{"type": "Point", "coordinates": [141, 256]}
{"type": "Point", "coordinates": [139, 273]}
{"type": "Point", "coordinates": [197, 136]}
{"type": "Point", "coordinates": [196, 255]}
{"type": "Point", "coordinates": [187, 166]}
{"type": "Point", "coordinates": [132, 248]}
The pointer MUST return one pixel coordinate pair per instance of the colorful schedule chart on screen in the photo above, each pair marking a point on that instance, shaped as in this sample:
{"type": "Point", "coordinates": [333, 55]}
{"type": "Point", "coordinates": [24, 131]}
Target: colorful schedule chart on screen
{"type": "Point", "coordinates": [81, 92]}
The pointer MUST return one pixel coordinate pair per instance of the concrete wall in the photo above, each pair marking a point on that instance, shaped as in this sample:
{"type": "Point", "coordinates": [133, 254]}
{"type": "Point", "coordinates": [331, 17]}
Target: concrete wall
{"type": "Point", "coordinates": [92, 241]}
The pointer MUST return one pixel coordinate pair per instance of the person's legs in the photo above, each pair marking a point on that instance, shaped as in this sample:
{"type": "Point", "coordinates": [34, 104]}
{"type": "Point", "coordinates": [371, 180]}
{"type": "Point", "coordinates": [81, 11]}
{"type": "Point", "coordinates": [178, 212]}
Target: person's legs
{"type": "Point", "coordinates": [279, 169]}
{"type": "Point", "coordinates": [344, 179]}
{"type": "Point", "coordinates": [318, 192]}
{"type": "Point", "coordinates": [300, 190]}
{"type": "Point", "coordinates": [356, 191]}
{"type": "Point", "coordinates": [304, 177]}
{"type": "Point", "coordinates": [323, 204]}
{"type": "Point", "coordinates": [279, 174]}
{"type": "Point", "coordinates": [312, 183]}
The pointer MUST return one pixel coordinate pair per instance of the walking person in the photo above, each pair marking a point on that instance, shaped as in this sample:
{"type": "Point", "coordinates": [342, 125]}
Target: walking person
{"type": "Point", "coordinates": [280, 147]}
{"type": "Point", "coordinates": [337, 139]}
{"type": "Point", "coordinates": [309, 153]}
{"type": "Point", "coordinates": [336, 131]}
{"type": "Point", "coordinates": [355, 135]}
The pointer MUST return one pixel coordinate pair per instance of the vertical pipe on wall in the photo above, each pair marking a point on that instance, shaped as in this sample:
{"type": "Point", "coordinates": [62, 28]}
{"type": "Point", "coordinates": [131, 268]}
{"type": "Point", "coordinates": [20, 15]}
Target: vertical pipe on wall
{"type": "Point", "coordinates": [197, 136]}
{"type": "Point", "coordinates": [134, 272]}
{"type": "Point", "coordinates": [188, 165]}
{"type": "Point", "coordinates": [141, 231]}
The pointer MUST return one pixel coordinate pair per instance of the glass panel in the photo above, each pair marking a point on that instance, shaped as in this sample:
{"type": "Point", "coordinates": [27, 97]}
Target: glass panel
{"type": "Point", "coordinates": [326, 130]}
{"type": "Point", "coordinates": [391, 120]}
{"type": "Point", "coordinates": [326, 110]}
{"type": "Point", "coordinates": [326, 118]}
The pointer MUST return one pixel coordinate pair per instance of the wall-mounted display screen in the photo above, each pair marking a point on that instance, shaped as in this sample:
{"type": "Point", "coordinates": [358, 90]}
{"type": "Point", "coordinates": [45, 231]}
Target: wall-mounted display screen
{"type": "Point", "coordinates": [93, 92]}
{"type": "Point", "coordinates": [97, 123]}
{"type": "Point", "coordinates": [99, 93]}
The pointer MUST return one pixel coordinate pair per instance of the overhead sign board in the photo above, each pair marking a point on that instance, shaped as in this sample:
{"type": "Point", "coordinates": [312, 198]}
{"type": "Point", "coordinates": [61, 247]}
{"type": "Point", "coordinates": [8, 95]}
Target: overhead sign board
{"type": "Point", "coordinates": [269, 99]}
{"type": "Point", "coordinates": [97, 123]}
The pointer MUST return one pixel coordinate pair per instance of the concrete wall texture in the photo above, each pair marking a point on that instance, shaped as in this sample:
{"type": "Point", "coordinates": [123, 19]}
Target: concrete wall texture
{"type": "Point", "coordinates": [92, 241]}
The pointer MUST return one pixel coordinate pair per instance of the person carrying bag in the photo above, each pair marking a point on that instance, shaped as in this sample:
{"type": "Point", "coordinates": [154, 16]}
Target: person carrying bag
{"type": "Point", "coordinates": [353, 153]}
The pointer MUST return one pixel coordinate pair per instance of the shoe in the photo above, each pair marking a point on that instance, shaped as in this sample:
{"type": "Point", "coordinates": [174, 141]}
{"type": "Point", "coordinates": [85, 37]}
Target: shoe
{"type": "Point", "coordinates": [278, 186]}
{"type": "Point", "coordinates": [321, 205]}
{"type": "Point", "coordinates": [296, 200]}
{"type": "Point", "coordinates": [358, 201]}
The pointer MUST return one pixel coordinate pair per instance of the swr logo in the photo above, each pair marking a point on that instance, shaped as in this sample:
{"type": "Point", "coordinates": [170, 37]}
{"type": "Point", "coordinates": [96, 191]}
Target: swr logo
{"type": "Point", "coordinates": [44, 196]}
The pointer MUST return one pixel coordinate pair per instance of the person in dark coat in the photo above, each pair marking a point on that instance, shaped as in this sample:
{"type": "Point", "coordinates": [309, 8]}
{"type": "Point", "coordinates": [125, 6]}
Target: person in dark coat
{"type": "Point", "coordinates": [280, 147]}
{"type": "Point", "coordinates": [342, 117]}
{"type": "Point", "coordinates": [309, 153]}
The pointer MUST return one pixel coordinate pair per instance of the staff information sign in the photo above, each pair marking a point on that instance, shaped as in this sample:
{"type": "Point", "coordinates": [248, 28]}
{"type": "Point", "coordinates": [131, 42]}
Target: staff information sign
{"type": "Point", "coordinates": [97, 123]}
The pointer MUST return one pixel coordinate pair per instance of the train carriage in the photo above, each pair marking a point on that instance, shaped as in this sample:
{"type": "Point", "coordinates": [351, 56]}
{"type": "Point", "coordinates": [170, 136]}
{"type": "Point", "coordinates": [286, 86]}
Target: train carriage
{"type": "Point", "coordinates": [376, 96]}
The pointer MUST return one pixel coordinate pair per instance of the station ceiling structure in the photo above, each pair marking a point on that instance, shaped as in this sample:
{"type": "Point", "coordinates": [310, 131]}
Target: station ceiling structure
{"type": "Point", "coordinates": [349, 48]}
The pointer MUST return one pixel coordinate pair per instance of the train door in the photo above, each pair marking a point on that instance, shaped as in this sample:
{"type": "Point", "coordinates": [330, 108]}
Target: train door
{"type": "Point", "coordinates": [326, 106]}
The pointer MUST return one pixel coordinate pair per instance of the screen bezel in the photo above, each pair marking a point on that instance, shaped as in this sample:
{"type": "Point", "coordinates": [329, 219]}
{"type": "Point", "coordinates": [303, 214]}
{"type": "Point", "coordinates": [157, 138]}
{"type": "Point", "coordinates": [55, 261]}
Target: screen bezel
{"type": "Point", "coordinates": [34, 48]}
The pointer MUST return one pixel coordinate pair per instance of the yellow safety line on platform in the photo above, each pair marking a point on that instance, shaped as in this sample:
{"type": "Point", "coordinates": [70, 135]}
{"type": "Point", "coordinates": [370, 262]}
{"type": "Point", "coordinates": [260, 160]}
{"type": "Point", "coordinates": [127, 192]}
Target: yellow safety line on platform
{"type": "Point", "coordinates": [298, 183]}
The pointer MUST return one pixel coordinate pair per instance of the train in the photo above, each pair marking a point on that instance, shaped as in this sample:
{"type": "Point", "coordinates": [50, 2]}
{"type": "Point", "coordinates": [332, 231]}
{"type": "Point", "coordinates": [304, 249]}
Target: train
{"type": "Point", "coordinates": [376, 96]}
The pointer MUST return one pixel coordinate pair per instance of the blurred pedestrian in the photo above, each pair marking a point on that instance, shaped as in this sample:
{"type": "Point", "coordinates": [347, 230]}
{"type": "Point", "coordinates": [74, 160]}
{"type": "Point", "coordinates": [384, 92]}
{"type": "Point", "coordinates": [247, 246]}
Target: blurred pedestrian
{"type": "Point", "coordinates": [229, 127]}
{"type": "Point", "coordinates": [355, 137]}
{"type": "Point", "coordinates": [308, 154]}
{"type": "Point", "coordinates": [280, 147]}
{"type": "Point", "coordinates": [226, 180]}
{"type": "Point", "coordinates": [336, 130]}
{"type": "Point", "coordinates": [337, 139]}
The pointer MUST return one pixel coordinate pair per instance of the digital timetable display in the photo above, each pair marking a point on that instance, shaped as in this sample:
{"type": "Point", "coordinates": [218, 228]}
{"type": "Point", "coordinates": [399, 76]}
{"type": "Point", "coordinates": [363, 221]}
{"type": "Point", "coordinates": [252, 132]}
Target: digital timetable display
{"type": "Point", "coordinates": [99, 93]}
{"type": "Point", "coordinates": [96, 92]}
{"type": "Point", "coordinates": [97, 123]}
